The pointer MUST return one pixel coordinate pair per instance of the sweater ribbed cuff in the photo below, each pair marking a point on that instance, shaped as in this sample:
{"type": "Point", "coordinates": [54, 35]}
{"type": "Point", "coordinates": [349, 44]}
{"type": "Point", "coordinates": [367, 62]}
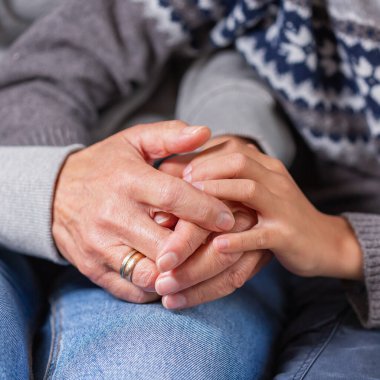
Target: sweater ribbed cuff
{"type": "Point", "coordinates": [365, 297]}
{"type": "Point", "coordinates": [27, 182]}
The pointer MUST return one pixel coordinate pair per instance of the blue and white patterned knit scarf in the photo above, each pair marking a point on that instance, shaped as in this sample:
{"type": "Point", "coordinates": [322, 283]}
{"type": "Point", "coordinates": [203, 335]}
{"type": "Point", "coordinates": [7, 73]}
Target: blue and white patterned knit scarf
{"type": "Point", "coordinates": [321, 59]}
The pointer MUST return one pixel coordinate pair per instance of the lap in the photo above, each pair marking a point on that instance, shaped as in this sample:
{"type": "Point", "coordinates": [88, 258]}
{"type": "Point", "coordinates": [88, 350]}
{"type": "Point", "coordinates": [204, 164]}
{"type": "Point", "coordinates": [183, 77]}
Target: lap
{"type": "Point", "coordinates": [97, 336]}
{"type": "Point", "coordinates": [324, 339]}
{"type": "Point", "coordinates": [94, 335]}
{"type": "Point", "coordinates": [20, 304]}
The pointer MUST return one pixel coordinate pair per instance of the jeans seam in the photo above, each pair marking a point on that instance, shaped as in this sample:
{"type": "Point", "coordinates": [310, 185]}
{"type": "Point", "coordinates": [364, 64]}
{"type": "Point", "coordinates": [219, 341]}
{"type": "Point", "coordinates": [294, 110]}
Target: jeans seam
{"type": "Point", "coordinates": [56, 336]}
{"type": "Point", "coordinates": [319, 348]}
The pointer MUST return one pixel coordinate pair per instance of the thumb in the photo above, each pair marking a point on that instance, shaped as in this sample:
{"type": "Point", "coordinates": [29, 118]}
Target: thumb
{"type": "Point", "coordinates": [164, 138]}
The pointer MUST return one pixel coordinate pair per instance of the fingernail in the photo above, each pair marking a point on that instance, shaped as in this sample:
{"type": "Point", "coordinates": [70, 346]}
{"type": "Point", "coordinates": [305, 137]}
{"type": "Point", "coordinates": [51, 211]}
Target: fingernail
{"type": "Point", "coordinates": [222, 243]}
{"type": "Point", "coordinates": [174, 301]}
{"type": "Point", "coordinates": [192, 130]}
{"type": "Point", "coordinates": [167, 262]}
{"type": "Point", "coordinates": [225, 221]}
{"type": "Point", "coordinates": [187, 178]}
{"type": "Point", "coordinates": [166, 285]}
{"type": "Point", "coordinates": [160, 219]}
{"type": "Point", "coordinates": [187, 170]}
{"type": "Point", "coordinates": [199, 185]}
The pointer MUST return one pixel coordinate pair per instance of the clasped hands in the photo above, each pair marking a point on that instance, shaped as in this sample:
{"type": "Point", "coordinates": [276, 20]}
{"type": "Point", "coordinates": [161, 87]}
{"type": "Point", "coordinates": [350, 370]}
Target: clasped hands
{"type": "Point", "coordinates": [109, 199]}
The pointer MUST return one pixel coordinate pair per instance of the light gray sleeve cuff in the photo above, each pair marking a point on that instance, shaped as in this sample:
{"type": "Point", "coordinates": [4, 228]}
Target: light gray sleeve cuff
{"type": "Point", "coordinates": [27, 181]}
{"type": "Point", "coordinates": [221, 92]}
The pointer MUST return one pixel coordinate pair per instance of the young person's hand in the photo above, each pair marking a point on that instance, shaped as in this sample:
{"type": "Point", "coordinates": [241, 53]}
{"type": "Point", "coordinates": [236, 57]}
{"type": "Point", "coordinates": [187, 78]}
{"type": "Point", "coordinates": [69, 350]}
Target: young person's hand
{"type": "Point", "coordinates": [107, 194]}
{"type": "Point", "coordinates": [306, 241]}
{"type": "Point", "coordinates": [198, 275]}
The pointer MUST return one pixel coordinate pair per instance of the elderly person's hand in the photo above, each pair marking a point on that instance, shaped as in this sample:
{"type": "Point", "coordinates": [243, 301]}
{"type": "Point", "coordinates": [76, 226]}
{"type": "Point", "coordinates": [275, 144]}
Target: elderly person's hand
{"type": "Point", "coordinates": [191, 279]}
{"type": "Point", "coordinates": [107, 195]}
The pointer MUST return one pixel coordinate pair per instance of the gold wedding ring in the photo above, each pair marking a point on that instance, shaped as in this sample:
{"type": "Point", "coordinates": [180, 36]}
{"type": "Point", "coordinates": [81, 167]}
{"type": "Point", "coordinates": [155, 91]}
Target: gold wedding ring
{"type": "Point", "coordinates": [129, 263]}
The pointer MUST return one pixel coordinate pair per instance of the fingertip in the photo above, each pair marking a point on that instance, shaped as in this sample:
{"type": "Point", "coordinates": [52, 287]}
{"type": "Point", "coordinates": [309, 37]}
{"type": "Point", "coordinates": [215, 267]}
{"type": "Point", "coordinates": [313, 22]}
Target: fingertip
{"type": "Point", "coordinates": [174, 301]}
{"type": "Point", "coordinates": [195, 130]}
{"type": "Point", "coordinates": [221, 243]}
{"type": "Point", "coordinates": [199, 185]}
{"type": "Point", "coordinates": [164, 302]}
{"type": "Point", "coordinates": [167, 262]}
{"type": "Point", "coordinates": [161, 219]}
{"type": "Point", "coordinates": [165, 220]}
{"type": "Point", "coordinates": [189, 139]}
{"type": "Point", "coordinates": [225, 221]}
{"type": "Point", "coordinates": [187, 170]}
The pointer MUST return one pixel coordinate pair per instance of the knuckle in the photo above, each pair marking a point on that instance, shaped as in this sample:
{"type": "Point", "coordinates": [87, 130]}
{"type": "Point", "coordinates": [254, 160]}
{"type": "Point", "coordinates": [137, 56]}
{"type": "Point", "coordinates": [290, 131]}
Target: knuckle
{"type": "Point", "coordinates": [224, 260]}
{"type": "Point", "coordinates": [233, 145]}
{"type": "Point", "coordinates": [250, 190]}
{"type": "Point", "coordinates": [144, 278]}
{"type": "Point", "coordinates": [139, 297]}
{"type": "Point", "coordinates": [89, 245]}
{"type": "Point", "coordinates": [237, 278]}
{"type": "Point", "coordinates": [89, 268]}
{"type": "Point", "coordinates": [284, 184]}
{"type": "Point", "coordinates": [169, 194]}
{"type": "Point", "coordinates": [277, 165]}
{"type": "Point", "coordinates": [189, 245]}
{"type": "Point", "coordinates": [286, 232]}
{"type": "Point", "coordinates": [239, 162]}
{"type": "Point", "coordinates": [217, 189]}
{"type": "Point", "coordinates": [240, 242]}
{"type": "Point", "coordinates": [198, 295]}
{"type": "Point", "coordinates": [262, 239]}
{"type": "Point", "coordinates": [205, 212]}
{"type": "Point", "coordinates": [105, 213]}
{"type": "Point", "coordinates": [157, 242]}
{"type": "Point", "coordinates": [244, 221]}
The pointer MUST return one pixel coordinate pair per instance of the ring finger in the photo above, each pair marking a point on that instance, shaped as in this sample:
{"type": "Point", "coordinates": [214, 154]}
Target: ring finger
{"type": "Point", "coordinates": [219, 286]}
{"type": "Point", "coordinates": [121, 288]}
{"type": "Point", "coordinates": [204, 264]}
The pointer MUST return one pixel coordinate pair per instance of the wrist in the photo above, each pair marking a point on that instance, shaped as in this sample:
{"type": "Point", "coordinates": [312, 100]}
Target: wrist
{"type": "Point", "coordinates": [344, 258]}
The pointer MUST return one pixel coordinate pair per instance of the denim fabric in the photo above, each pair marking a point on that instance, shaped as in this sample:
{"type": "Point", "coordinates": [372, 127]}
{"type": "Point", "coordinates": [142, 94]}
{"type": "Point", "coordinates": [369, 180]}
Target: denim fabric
{"type": "Point", "coordinates": [96, 336]}
{"type": "Point", "coordinates": [88, 334]}
{"type": "Point", "coordinates": [324, 339]}
{"type": "Point", "coordinates": [20, 302]}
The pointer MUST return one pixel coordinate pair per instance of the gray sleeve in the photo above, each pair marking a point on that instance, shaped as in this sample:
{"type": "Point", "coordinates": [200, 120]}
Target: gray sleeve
{"type": "Point", "coordinates": [365, 297]}
{"type": "Point", "coordinates": [27, 179]}
{"type": "Point", "coordinates": [54, 81]}
{"type": "Point", "coordinates": [221, 92]}
{"type": "Point", "coordinates": [77, 60]}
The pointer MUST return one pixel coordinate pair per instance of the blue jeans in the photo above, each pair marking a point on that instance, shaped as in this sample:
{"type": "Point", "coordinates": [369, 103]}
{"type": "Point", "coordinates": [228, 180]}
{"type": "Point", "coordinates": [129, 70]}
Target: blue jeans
{"type": "Point", "coordinates": [88, 334]}
{"type": "Point", "coordinates": [84, 333]}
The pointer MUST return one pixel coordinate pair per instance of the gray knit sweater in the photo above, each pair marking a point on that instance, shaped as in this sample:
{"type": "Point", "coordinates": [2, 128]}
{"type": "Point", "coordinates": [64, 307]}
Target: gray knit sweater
{"type": "Point", "coordinates": [74, 63]}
